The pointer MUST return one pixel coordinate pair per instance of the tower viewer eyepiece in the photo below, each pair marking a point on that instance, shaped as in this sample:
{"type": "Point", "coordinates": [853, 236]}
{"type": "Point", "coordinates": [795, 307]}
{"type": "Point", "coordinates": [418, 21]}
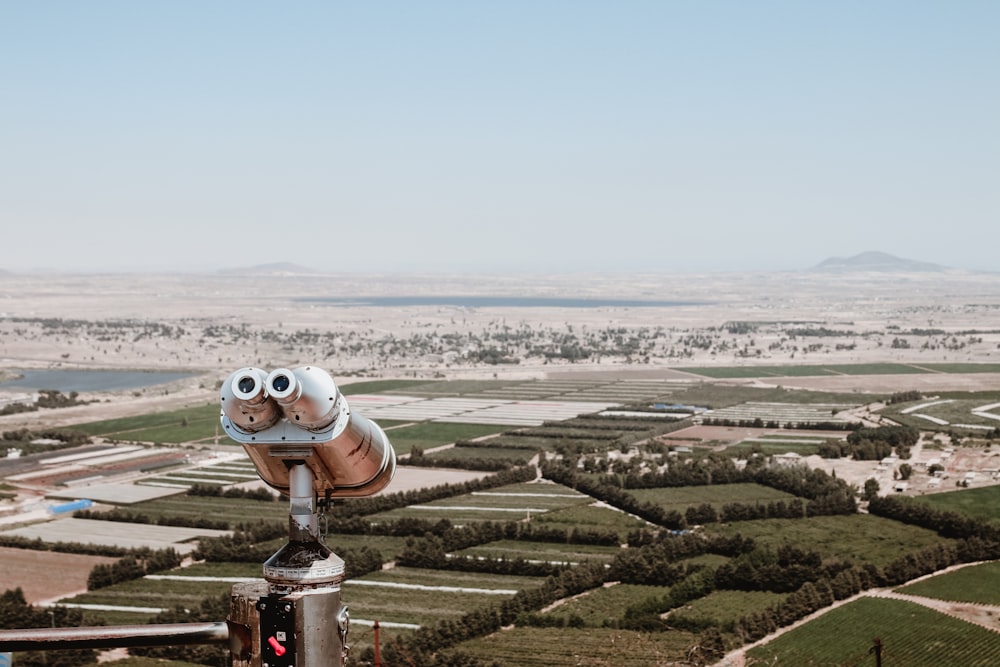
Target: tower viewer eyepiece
{"type": "Point", "coordinates": [286, 417]}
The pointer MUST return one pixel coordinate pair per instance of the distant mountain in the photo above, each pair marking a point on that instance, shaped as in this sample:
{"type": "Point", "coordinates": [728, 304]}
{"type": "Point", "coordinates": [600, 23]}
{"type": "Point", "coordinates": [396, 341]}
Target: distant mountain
{"type": "Point", "coordinates": [272, 269]}
{"type": "Point", "coordinates": [876, 261]}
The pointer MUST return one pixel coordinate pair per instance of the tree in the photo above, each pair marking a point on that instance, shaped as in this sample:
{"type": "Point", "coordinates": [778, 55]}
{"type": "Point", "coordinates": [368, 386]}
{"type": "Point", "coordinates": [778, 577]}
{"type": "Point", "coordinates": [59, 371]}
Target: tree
{"type": "Point", "coordinates": [871, 489]}
{"type": "Point", "coordinates": [905, 470]}
{"type": "Point", "coordinates": [16, 613]}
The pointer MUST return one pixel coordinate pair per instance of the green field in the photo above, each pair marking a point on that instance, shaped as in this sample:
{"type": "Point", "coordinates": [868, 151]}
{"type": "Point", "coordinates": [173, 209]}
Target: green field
{"type": "Point", "coordinates": [426, 607]}
{"type": "Point", "coordinates": [967, 584]}
{"type": "Point", "coordinates": [231, 510]}
{"type": "Point", "coordinates": [720, 396]}
{"type": "Point", "coordinates": [771, 448]}
{"type": "Point", "coordinates": [861, 538]}
{"type": "Point", "coordinates": [607, 603]}
{"type": "Point", "coordinates": [435, 434]}
{"type": "Point", "coordinates": [202, 423]}
{"type": "Point", "coordinates": [507, 503]}
{"type": "Point", "coordinates": [807, 370]}
{"type": "Point", "coordinates": [911, 635]}
{"type": "Point", "coordinates": [962, 368]}
{"type": "Point", "coordinates": [551, 552]}
{"type": "Point", "coordinates": [723, 608]}
{"type": "Point", "coordinates": [150, 593]}
{"type": "Point", "coordinates": [717, 495]}
{"type": "Point", "coordinates": [590, 517]}
{"type": "Point", "coordinates": [463, 454]}
{"type": "Point", "coordinates": [953, 408]}
{"type": "Point", "coordinates": [571, 647]}
{"type": "Point", "coordinates": [979, 503]}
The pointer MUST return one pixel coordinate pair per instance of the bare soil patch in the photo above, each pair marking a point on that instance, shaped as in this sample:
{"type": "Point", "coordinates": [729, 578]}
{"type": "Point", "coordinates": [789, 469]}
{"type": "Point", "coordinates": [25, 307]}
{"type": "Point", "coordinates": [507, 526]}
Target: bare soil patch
{"type": "Point", "coordinates": [46, 575]}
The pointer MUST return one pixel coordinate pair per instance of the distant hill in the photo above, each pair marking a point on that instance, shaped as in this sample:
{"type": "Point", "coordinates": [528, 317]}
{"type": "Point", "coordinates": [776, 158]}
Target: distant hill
{"type": "Point", "coordinates": [876, 261]}
{"type": "Point", "coordinates": [272, 269]}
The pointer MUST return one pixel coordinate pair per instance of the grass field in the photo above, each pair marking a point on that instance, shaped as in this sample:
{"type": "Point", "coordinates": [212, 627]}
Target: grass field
{"type": "Point", "coordinates": [571, 647]}
{"type": "Point", "coordinates": [771, 448]}
{"type": "Point", "coordinates": [717, 495]}
{"type": "Point", "coordinates": [806, 370]}
{"type": "Point", "coordinates": [861, 538]}
{"type": "Point", "coordinates": [719, 396]}
{"type": "Point", "coordinates": [911, 635]}
{"type": "Point", "coordinates": [590, 517]}
{"type": "Point", "coordinates": [201, 423]}
{"type": "Point", "coordinates": [154, 593]}
{"type": "Point", "coordinates": [231, 510]}
{"type": "Point", "coordinates": [724, 608]}
{"type": "Point", "coordinates": [951, 408]}
{"type": "Point", "coordinates": [508, 503]}
{"type": "Point", "coordinates": [463, 454]}
{"type": "Point", "coordinates": [965, 585]}
{"type": "Point", "coordinates": [542, 551]}
{"type": "Point", "coordinates": [607, 603]}
{"type": "Point", "coordinates": [432, 597]}
{"type": "Point", "coordinates": [980, 503]}
{"type": "Point", "coordinates": [434, 434]}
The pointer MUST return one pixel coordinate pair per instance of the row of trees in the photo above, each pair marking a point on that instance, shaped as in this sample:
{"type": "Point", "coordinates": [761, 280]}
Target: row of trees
{"type": "Point", "coordinates": [47, 398]}
{"type": "Point", "coordinates": [824, 494]}
{"type": "Point", "coordinates": [134, 566]}
{"type": "Point", "coordinates": [16, 613]}
{"type": "Point", "coordinates": [474, 533]}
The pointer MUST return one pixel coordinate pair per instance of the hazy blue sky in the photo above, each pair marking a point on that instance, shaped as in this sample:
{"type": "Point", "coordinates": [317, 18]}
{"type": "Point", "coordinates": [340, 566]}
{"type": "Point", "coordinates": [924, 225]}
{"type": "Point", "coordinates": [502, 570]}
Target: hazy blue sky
{"type": "Point", "coordinates": [498, 136]}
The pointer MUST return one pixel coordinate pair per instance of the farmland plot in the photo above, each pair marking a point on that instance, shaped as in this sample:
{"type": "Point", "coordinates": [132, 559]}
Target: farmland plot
{"type": "Point", "coordinates": [590, 517]}
{"type": "Point", "coordinates": [963, 585]}
{"type": "Point", "coordinates": [861, 538]}
{"type": "Point", "coordinates": [428, 596]}
{"type": "Point", "coordinates": [980, 503]}
{"type": "Point", "coordinates": [717, 495]}
{"type": "Point", "coordinates": [782, 413]}
{"type": "Point", "coordinates": [911, 635]}
{"type": "Point", "coordinates": [507, 503]}
{"type": "Point", "coordinates": [607, 603]}
{"type": "Point", "coordinates": [570, 647]}
{"type": "Point", "coordinates": [548, 552]}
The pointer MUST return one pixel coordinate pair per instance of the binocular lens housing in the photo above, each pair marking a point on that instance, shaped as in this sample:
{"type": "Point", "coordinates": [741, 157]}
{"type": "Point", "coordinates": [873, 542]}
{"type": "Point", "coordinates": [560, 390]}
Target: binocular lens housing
{"type": "Point", "coordinates": [287, 417]}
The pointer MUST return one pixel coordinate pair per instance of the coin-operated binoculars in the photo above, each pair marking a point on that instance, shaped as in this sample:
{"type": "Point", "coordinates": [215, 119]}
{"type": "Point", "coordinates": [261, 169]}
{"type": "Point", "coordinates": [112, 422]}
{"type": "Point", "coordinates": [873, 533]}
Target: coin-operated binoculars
{"type": "Point", "coordinates": [302, 437]}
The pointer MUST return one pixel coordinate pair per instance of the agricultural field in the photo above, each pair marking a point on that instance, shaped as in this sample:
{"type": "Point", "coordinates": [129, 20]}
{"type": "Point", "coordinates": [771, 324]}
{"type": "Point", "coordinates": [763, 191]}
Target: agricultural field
{"type": "Point", "coordinates": [861, 538]}
{"type": "Point", "coordinates": [783, 414]}
{"type": "Point", "coordinates": [590, 517]}
{"type": "Point", "coordinates": [806, 443]}
{"type": "Point", "coordinates": [232, 511]}
{"type": "Point", "coordinates": [807, 370]}
{"type": "Point", "coordinates": [978, 503]}
{"type": "Point", "coordinates": [425, 597]}
{"type": "Point", "coordinates": [721, 396]}
{"type": "Point", "coordinates": [464, 455]}
{"type": "Point", "coordinates": [507, 503]}
{"type": "Point", "coordinates": [571, 647]}
{"type": "Point", "coordinates": [153, 593]}
{"type": "Point", "coordinates": [722, 609]}
{"type": "Point", "coordinates": [717, 495]}
{"type": "Point", "coordinates": [547, 552]}
{"type": "Point", "coordinates": [977, 413]}
{"type": "Point", "coordinates": [596, 607]}
{"type": "Point", "coordinates": [31, 571]}
{"type": "Point", "coordinates": [175, 426]}
{"type": "Point", "coordinates": [427, 435]}
{"type": "Point", "coordinates": [223, 473]}
{"type": "Point", "coordinates": [911, 635]}
{"type": "Point", "coordinates": [962, 585]}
